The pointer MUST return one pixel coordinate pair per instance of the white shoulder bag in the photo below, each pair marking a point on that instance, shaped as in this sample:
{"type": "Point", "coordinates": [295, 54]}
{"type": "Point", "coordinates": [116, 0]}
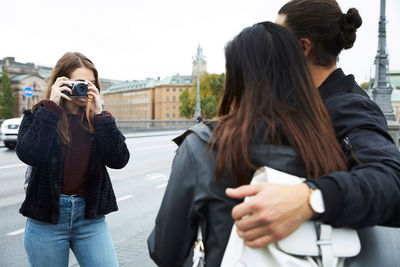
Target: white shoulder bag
{"type": "Point", "coordinates": [313, 244]}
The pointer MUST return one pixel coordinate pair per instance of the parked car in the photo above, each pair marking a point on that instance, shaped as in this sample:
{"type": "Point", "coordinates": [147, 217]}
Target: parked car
{"type": "Point", "coordinates": [9, 132]}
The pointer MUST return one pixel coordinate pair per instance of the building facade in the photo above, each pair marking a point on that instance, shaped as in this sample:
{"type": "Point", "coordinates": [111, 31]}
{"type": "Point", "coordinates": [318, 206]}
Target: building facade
{"type": "Point", "coordinates": [23, 75]}
{"type": "Point", "coordinates": [150, 99]}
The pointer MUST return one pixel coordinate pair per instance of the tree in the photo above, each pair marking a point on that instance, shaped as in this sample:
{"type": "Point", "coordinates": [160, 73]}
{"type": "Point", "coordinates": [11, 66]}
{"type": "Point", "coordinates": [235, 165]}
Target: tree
{"type": "Point", "coordinates": [7, 98]}
{"type": "Point", "coordinates": [364, 85]}
{"type": "Point", "coordinates": [211, 90]}
{"type": "Point", "coordinates": [187, 107]}
{"type": "Point", "coordinates": [209, 106]}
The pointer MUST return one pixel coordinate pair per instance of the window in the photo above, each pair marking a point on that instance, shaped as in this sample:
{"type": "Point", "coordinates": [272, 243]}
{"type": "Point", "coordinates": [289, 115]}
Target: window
{"type": "Point", "coordinates": [167, 115]}
{"type": "Point", "coordinates": [173, 107]}
{"type": "Point", "coordinates": [167, 89]}
{"type": "Point", "coordinates": [180, 89]}
{"type": "Point", "coordinates": [174, 89]}
{"type": "Point", "coordinates": [174, 98]}
{"type": "Point", "coordinates": [173, 115]}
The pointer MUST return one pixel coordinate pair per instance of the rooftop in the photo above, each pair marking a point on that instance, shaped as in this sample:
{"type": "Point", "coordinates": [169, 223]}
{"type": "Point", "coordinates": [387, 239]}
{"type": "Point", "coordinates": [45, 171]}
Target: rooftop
{"type": "Point", "coordinates": [396, 95]}
{"type": "Point", "coordinates": [395, 78]}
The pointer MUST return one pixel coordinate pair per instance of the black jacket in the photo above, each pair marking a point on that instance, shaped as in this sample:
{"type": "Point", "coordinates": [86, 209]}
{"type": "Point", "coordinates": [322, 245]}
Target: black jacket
{"type": "Point", "coordinates": [38, 146]}
{"type": "Point", "coordinates": [370, 193]}
{"type": "Point", "coordinates": [193, 196]}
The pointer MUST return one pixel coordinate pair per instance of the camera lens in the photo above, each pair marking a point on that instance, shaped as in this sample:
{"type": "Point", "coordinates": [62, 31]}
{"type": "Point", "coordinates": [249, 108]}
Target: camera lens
{"type": "Point", "coordinates": [80, 89]}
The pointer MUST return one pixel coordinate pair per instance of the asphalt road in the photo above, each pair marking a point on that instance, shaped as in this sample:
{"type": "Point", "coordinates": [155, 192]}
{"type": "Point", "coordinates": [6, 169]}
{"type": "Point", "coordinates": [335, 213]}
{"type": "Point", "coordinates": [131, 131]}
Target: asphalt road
{"type": "Point", "coordinates": [139, 188]}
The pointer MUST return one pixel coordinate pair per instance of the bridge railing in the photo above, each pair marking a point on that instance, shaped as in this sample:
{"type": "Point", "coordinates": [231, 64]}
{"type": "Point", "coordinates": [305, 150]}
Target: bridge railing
{"type": "Point", "coordinates": [131, 126]}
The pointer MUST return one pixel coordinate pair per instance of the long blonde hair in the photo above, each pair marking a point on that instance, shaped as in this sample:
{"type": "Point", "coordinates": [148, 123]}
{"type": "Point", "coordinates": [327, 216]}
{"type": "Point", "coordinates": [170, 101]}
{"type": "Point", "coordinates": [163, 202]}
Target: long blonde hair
{"type": "Point", "coordinates": [67, 64]}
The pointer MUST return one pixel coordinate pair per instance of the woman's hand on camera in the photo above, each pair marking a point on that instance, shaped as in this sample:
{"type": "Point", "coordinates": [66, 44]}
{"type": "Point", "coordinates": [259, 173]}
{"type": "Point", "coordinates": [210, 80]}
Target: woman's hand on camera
{"type": "Point", "coordinates": [93, 92]}
{"type": "Point", "coordinates": [58, 88]}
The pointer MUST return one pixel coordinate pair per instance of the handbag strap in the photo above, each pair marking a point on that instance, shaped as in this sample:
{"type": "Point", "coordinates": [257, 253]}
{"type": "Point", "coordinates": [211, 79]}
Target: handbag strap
{"type": "Point", "coordinates": [198, 249]}
{"type": "Point", "coordinates": [325, 244]}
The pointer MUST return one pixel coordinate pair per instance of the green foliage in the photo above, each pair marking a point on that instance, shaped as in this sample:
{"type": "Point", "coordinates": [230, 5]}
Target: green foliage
{"type": "Point", "coordinates": [211, 90]}
{"type": "Point", "coordinates": [364, 85]}
{"type": "Point", "coordinates": [7, 99]}
{"type": "Point", "coordinates": [188, 104]}
{"type": "Point", "coordinates": [209, 106]}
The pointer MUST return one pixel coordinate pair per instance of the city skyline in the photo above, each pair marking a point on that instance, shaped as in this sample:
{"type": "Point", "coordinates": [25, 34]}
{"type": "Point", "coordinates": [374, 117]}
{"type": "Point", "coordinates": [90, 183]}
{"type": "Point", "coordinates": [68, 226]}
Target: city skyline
{"type": "Point", "coordinates": [157, 38]}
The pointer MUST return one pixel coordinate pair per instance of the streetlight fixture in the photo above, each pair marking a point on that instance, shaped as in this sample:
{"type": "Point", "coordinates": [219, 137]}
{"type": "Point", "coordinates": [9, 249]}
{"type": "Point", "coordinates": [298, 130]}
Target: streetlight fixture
{"type": "Point", "coordinates": [381, 89]}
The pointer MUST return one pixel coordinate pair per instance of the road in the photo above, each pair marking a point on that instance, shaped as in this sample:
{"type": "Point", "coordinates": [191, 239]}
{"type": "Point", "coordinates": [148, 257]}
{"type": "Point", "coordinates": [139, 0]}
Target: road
{"type": "Point", "coordinates": [139, 188]}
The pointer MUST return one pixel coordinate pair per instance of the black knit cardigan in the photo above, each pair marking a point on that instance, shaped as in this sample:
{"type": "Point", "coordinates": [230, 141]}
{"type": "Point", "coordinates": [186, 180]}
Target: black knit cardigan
{"type": "Point", "coordinates": [38, 146]}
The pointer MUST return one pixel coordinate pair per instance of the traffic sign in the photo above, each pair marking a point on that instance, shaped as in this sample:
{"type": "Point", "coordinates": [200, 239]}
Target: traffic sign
{"type": "Point", "coordinates": [28, 91]}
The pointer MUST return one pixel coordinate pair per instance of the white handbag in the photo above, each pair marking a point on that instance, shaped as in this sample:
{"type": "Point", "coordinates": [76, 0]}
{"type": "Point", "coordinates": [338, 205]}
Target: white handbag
{"type": "Point", "coordinates": [313, 244]}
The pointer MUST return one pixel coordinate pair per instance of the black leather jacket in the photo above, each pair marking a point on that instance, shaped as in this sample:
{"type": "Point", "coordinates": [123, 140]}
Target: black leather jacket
{"type": "Point", "coordinates": [193, 196]}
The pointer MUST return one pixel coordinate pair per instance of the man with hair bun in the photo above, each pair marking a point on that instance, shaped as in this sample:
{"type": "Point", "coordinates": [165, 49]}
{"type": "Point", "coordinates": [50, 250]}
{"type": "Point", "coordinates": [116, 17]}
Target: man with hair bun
{"type": "Point", "coordinates": [369, 193]}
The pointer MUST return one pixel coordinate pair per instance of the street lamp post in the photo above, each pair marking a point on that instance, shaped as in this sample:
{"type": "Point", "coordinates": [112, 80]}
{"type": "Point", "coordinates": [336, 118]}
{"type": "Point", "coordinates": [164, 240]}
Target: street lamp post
{"type": "Point", "coordinates": [381, 88]}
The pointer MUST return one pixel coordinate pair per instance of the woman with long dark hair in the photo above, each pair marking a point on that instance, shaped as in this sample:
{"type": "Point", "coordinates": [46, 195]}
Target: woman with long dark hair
{"type": "Point", "coordinates": [369, 194]}
{"type": "Point", "coordinates": [69, 140]}
{"type": "Point", "coordinates": [271, 114]}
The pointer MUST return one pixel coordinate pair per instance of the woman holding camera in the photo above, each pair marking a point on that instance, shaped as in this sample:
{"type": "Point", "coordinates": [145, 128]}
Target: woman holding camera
{"type": "Point", "coordinates": [69, 140]}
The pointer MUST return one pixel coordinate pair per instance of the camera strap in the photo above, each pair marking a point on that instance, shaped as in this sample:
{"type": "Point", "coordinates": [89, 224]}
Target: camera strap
{"type": "Point", "coordinates": [89, 103]}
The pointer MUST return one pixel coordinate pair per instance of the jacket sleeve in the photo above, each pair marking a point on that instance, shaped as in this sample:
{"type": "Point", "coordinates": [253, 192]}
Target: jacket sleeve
{"type": "Point", "coordinates": [36, 136]}
{"type": "Point", "coordinates": [369, 194]}
{"type": "Point", "coordinates": [111, 141]}
{"type": "Point", "coordinates": [174, 231]}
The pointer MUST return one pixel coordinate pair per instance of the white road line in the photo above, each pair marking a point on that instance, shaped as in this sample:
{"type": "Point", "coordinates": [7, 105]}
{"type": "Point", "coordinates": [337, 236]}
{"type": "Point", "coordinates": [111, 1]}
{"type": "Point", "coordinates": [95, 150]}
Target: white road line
{"type": "Point", "coordinates": [161, 185]}
{"type": "Point", "coordinates": [152, 176]}
{"type": "Point", "coordinates": [12, 166]}
{"type": "Point", "coordinates": [124, 198]}
{"type": "Point", "coordinates": [151, 147]}
{"type": "Point", "coordinates": [20, 231]}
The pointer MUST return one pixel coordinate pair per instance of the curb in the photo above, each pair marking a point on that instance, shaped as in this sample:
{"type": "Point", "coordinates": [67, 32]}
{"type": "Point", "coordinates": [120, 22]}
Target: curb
{"type": "Point", "coordinates": [151, 135]}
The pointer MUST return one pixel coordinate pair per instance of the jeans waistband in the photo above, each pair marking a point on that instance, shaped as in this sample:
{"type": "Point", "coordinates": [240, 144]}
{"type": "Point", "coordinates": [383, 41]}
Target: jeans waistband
{"type": "Point", "coordinates": [70, 199]}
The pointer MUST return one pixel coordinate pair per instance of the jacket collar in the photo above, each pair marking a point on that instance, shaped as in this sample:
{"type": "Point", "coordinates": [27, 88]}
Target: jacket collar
{"type": "Point", "coordinates": [336, 82]}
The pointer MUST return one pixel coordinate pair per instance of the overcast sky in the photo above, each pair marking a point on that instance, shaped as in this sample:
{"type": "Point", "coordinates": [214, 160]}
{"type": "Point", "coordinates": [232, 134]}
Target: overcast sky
{"type": "Point", "coordinates": [129, 39]}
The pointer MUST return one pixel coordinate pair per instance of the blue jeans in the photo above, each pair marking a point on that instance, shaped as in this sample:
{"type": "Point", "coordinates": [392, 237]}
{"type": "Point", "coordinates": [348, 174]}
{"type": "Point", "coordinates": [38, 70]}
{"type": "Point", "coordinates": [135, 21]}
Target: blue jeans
{"type": "Point", "coordinates": [90, 240]}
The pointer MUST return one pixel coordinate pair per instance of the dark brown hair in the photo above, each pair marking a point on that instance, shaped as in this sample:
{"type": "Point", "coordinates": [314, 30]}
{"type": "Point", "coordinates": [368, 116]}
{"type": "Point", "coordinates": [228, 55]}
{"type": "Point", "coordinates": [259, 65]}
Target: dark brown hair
{"type": "Point", "coordinates": [268, 83]}
{"type": "Point", "coordinates": [323, 23]}
{"type": "Point", "coordinates": [67, 64]}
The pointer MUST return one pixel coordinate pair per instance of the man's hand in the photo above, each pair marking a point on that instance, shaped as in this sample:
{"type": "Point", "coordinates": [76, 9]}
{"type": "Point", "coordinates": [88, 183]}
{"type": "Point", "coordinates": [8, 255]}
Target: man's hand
{"type": "Point", "coordinates": [274, 212]}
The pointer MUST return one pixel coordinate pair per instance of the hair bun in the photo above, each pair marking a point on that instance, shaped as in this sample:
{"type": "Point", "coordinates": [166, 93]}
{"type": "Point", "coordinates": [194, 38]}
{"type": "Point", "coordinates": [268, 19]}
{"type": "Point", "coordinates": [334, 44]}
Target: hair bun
{"type": "Point", "coordinates": [351, 21]}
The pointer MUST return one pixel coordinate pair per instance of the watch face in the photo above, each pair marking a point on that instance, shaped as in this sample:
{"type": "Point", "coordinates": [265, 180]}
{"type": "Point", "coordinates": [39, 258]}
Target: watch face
{"type": "Point", "coordinates": [317, 201]}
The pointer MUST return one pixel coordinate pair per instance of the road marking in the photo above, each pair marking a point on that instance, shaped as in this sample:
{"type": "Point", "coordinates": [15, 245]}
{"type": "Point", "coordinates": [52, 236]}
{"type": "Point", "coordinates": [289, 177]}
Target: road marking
{"type": "Point", "coordinates": [161, 185]}
{"type": "Point", "coordinates": [12, 166]}
{"type": "Point", "coordinates": [152, 176]}
{"type": "Point", "coordinates": [20, 231]}
{"type": "Point", "coordinates": [151, 147]}
{"type": "Point", "coordinates": [124, 198]}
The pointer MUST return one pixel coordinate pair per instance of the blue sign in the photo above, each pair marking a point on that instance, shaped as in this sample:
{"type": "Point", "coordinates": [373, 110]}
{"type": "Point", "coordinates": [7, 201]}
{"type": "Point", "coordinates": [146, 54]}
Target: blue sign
{"type": "Point", "coordinates": [28, 91]}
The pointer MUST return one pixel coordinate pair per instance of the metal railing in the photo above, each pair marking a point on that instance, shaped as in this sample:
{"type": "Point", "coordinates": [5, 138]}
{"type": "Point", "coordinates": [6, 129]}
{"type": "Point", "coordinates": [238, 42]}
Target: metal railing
{"type": "Point", "coordinates": [131, 126]}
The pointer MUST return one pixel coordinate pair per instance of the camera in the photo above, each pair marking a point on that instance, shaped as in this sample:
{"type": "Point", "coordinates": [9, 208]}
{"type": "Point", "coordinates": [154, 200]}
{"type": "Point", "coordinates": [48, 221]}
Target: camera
{"type": "Point", "coordinates": [79, 89]}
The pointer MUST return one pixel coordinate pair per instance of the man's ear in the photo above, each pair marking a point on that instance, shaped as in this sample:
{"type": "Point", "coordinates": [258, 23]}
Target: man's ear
{"type": "Point", "coordinates": [306, 45]}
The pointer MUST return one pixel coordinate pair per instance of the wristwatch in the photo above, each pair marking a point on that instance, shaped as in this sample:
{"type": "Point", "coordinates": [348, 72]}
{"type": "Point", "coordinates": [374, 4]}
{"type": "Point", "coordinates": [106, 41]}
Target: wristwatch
{"type": "Point", "coordinates": [315, 200]}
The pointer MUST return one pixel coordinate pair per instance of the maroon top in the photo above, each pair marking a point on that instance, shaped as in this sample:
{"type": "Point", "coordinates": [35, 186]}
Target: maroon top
{"type": "Point", "coordinates": [75, 158]}
{"type": "Point", "coordinates": [76, 155]}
